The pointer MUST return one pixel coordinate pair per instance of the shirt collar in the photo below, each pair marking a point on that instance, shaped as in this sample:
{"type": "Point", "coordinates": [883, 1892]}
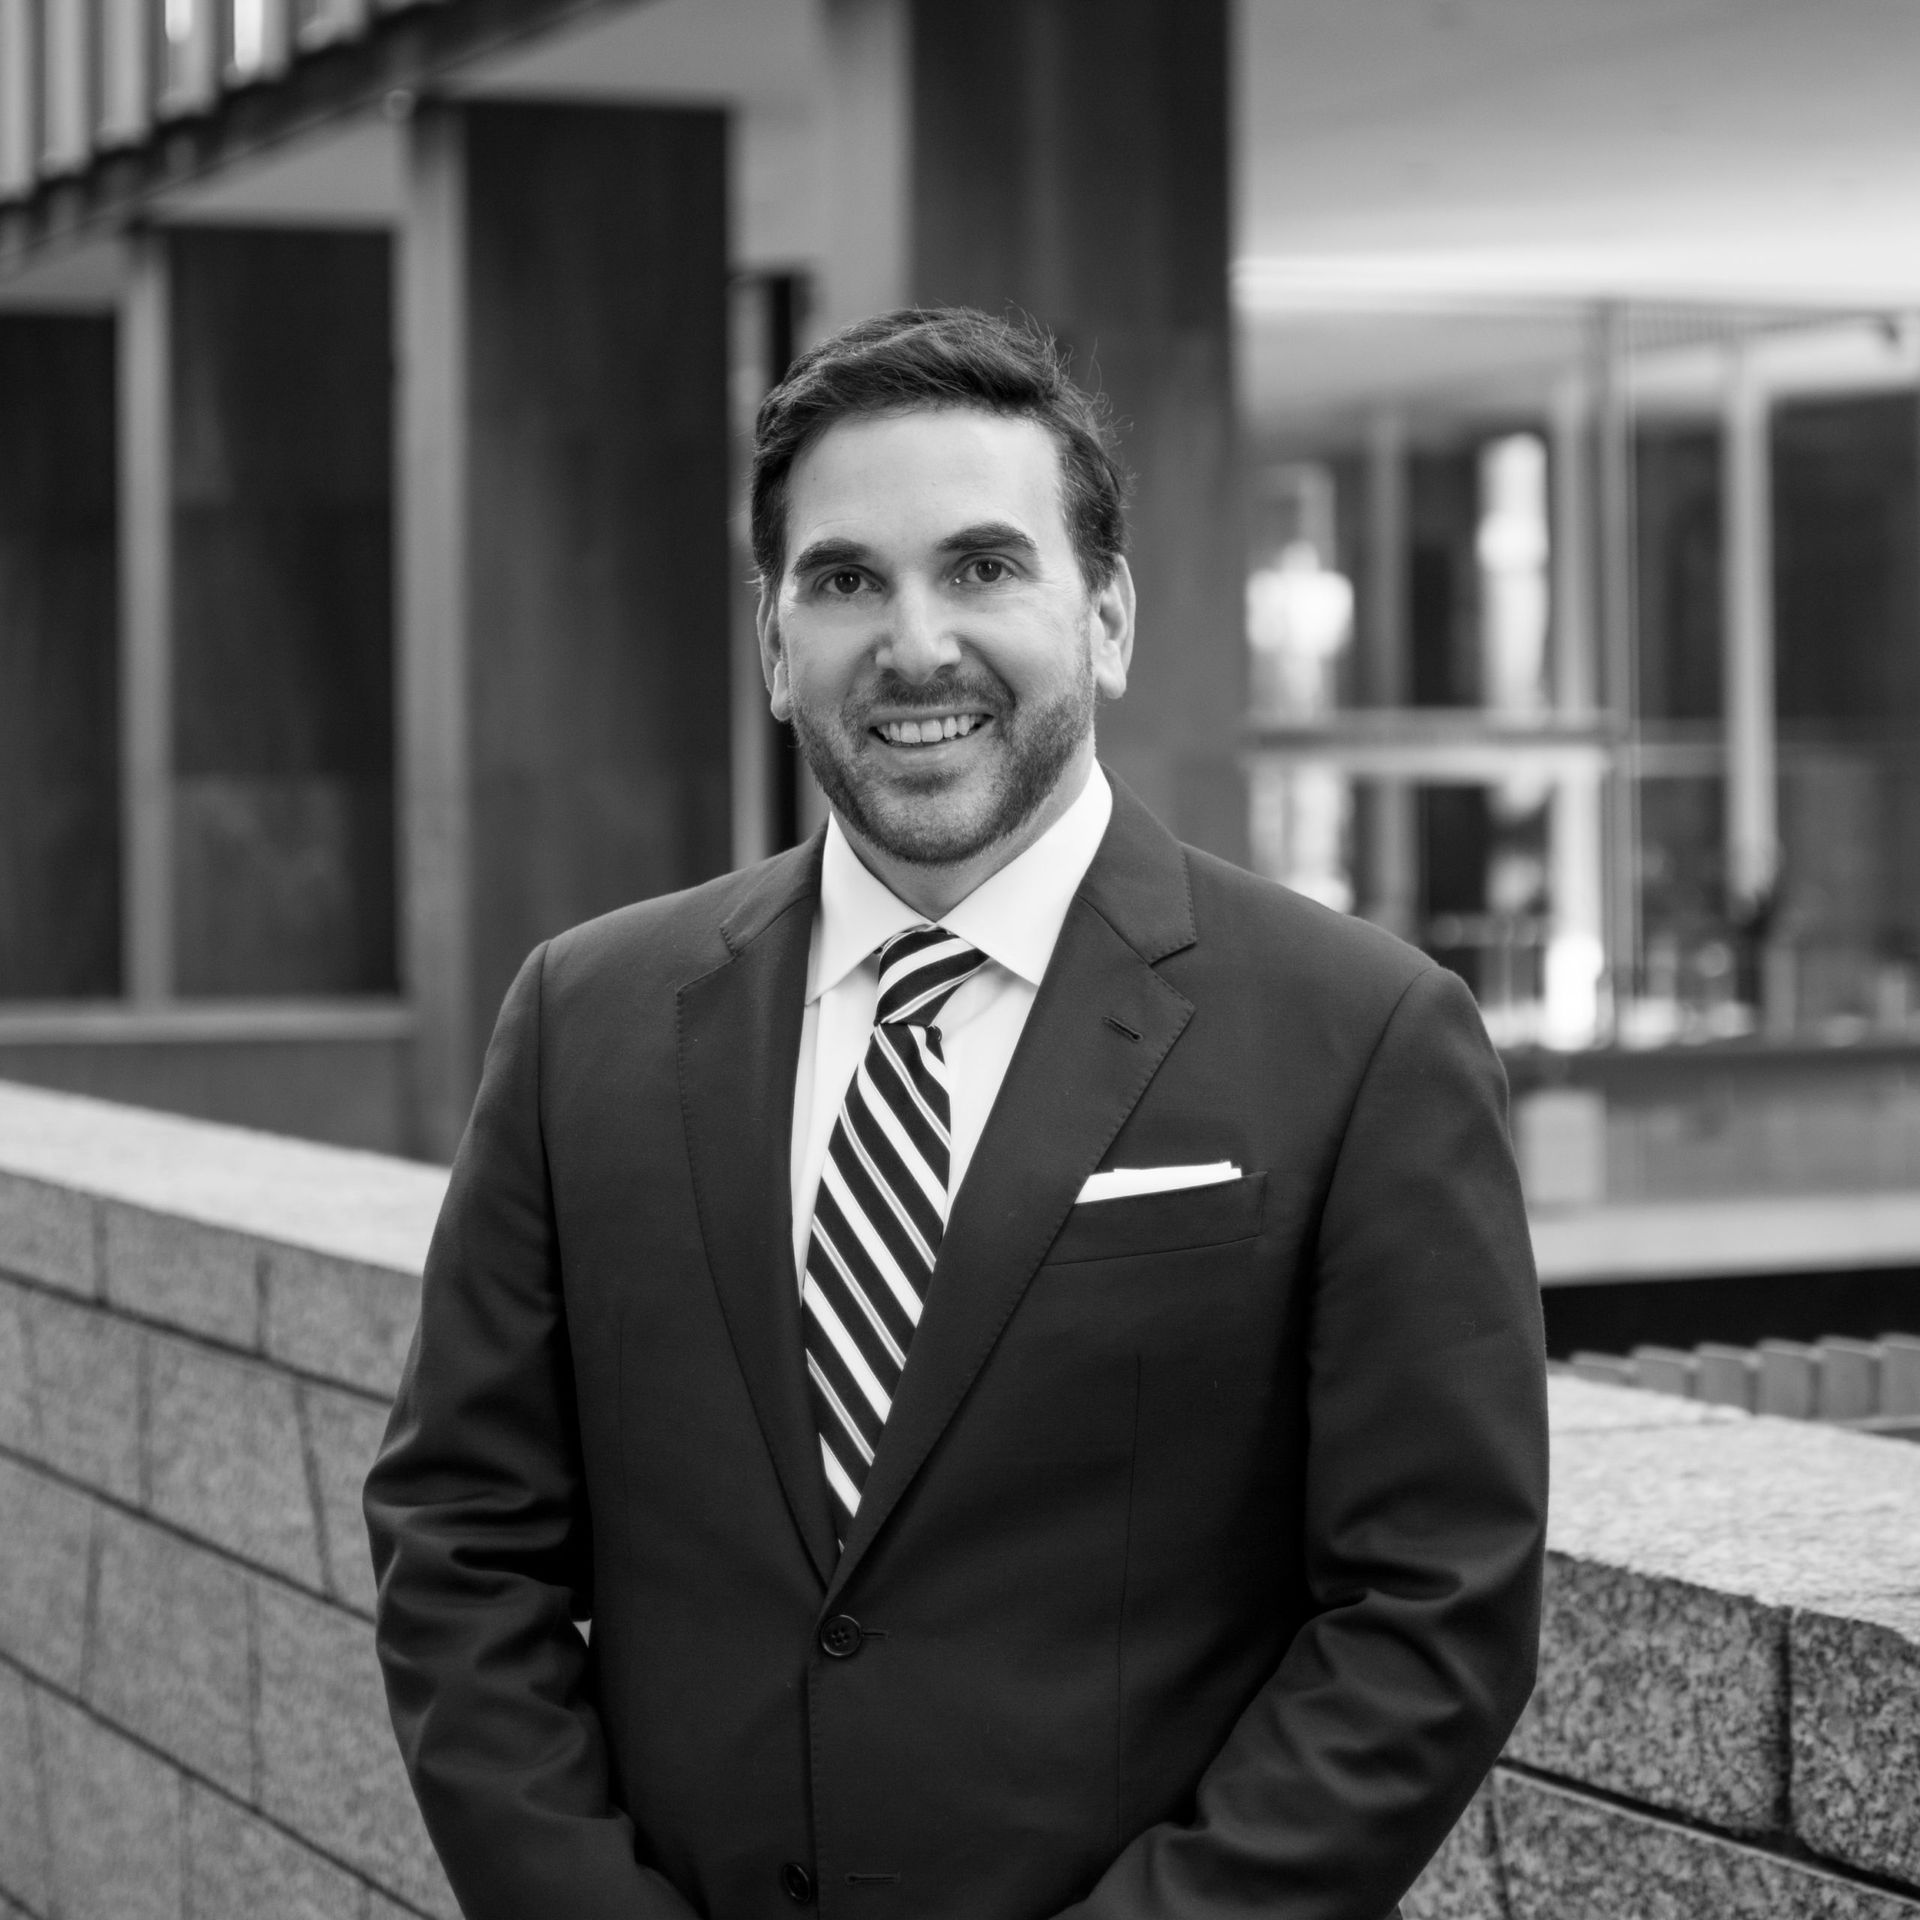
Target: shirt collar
{"type": "Point", "coordinates": [1014, 916]}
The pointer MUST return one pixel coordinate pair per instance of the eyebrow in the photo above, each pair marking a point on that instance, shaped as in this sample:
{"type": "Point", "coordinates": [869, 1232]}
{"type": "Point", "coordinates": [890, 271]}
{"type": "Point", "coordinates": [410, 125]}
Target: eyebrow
{"type": "Point", "coordinates": [991, 533]}
{"type": "Point", "coordinates": [829, 553]}
{"type": "Point", "coordinates": [985, 534]}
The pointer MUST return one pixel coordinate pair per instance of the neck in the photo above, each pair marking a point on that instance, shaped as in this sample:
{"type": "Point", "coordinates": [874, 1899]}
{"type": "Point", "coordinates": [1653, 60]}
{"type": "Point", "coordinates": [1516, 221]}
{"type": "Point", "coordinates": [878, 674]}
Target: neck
{"type": "Point", "coordinates": [934, 891]}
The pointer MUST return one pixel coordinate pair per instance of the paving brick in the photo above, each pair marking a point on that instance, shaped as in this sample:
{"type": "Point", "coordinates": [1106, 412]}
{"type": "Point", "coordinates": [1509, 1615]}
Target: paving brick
{"type": "Point", "coordinates": [1789, 1382]}
{"type": "Point", "coordinates": [46, 1528]}
{"type": "Point", "coordinates": [1462, 1881]}
{"type": "Point", "coordinates": [240, 1868]}
{"type": "Point", "coordinates": [1567, 1857]}
{"type": "Point", "coordinates": [340, 1319]}
{"type": "Point", "coordinates": [26, 1863]}
{"type": "Point", "coordinates": [1849, 1379]}
{"type": "Point", "coordinates": [115, 1815]}
{"type": "Point", "coordinates": [1900, 1373]}
{"type": "Point", "coordinates": [344, 1432]}
{"type": "Point", "coordinates": [19, 1407]}
{"type": "Point", "coordinates": [171, 1649]}
{"type": "Point", "coordinates": [1663, 1691]}
{"type": "Point", "coordinates": [329, 1768]}
{"type": "Point", "coordinates": [46, 1234]}
{"type": "Point", "coordinates": [1729, 1376]}
{"type": "Point", "coordinates": [86, 1380]}
{"type": "Point", "coordinates": [1856, 1735]}
{"type": "Point", "coordinates": [193, 1276]}
{"type": "Point", "coordinates": [225, 1460]}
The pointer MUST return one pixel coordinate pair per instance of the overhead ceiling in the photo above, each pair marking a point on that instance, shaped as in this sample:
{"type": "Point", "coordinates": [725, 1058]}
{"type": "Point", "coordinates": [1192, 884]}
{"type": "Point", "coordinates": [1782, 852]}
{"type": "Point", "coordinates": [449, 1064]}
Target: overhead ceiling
{"type": "Point", "coordinates": [1427, 192]}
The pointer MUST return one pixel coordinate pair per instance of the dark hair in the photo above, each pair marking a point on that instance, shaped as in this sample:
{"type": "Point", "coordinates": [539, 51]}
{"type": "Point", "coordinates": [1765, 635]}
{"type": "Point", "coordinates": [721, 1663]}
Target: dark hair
{"type": "Point", "coordinates": [943, 357]}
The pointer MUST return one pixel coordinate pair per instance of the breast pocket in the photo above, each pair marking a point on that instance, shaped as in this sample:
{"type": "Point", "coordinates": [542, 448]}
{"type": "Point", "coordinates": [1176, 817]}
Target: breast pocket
{"type": "Point", "coordinates": [1143, 1223]}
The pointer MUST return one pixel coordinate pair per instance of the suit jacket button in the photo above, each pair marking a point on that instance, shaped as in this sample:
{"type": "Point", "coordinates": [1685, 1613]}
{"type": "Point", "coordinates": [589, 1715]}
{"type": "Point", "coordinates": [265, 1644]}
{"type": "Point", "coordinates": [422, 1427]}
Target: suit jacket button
{"type": "Point", "coordinates": [840, 1638]}
{"type": "Point", "coordinates": [797, 1883]}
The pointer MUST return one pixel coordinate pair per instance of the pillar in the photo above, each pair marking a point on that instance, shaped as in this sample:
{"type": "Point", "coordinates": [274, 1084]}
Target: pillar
{"type": "Point", "coordinates": [1576, 885]}
{"type": "Point", "coordinates": [1391, 858]}
{"type": "Point", "coordinates": [59, 789]}
{"type": "Point", "coordinates": [1616, 648]}
{"type": "Point", "coordinates": [1070, 159]}
{"type": "Point", "coordinates": [564, 586]}
{"type": "Point", "coordinates": [1753, 828]}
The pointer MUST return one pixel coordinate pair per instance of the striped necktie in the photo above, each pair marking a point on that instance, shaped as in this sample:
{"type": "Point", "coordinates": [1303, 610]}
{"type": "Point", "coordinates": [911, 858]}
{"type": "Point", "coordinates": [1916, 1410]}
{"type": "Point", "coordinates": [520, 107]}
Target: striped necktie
{"type": "Point", "coordinates": [881, 1211]}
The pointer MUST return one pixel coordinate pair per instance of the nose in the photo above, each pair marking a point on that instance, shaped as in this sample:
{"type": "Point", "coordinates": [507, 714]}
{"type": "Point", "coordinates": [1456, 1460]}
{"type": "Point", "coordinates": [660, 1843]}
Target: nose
{"type": "Point", "coordinates": [916, 642]}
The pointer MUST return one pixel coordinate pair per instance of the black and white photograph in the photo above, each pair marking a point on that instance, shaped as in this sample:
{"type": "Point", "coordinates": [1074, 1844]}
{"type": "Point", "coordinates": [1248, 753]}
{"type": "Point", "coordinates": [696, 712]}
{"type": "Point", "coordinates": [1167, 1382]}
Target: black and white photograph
{"type": "Point", "coordinates": [959, 960]}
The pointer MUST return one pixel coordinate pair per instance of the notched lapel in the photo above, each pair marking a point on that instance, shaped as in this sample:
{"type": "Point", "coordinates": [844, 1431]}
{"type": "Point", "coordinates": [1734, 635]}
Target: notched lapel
{"type": "Point", "coordinates": [739, 1043]}
{"type": "Point", "coordinates": [1076, 1076]}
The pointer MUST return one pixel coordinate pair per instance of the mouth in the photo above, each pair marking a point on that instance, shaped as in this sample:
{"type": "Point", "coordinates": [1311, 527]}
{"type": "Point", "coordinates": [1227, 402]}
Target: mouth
{"type": "Point", "coordinates": [930, 730]}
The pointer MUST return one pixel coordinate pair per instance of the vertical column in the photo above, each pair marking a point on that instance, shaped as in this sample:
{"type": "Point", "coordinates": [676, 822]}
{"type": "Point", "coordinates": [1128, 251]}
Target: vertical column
{"type": "Point", "coordinates": [19, 97]}
{"type": "Point", "coordinates": [1753, 828]}
{"type": "Point", "coordinates": [869, 160]}
{"type": "Point", "coordinates": [564, 575]}
{"type": "Point", "coordinates": [1613, 514]}
{"type": "Point", "coordinates": [59, 831]}
{"type": "Point", "coordinates": [436, 855]}
{"type": "Point", "coordinates": [146, 622]}
{"type": "Point", "coordinates": [1070, 158]}
{"type": "Point", "coordinates": [1391, 862]}
{"type": "Point", "coordinates": [1576, 889]}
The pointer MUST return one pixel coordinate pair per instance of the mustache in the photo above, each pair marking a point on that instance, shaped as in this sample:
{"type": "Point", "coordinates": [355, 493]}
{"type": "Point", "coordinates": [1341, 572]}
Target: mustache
{"type": "Point", "coordinates": [949, 688]}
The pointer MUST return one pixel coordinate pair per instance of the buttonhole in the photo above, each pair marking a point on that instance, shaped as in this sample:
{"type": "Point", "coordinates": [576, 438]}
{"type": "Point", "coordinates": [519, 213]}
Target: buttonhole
{"type": "Point", "coordinates": [1120, 1026]}
{"type": "Point", "coordinates": [873, 1879]}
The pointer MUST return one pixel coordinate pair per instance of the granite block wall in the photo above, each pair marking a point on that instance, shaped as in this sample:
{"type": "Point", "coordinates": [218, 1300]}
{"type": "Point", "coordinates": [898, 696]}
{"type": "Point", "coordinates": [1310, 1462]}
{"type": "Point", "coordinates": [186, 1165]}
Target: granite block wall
{"type": "Point", "coordinates": [1727, 1719]}
{"type": "Point", "coordinates": [199, 1331]}
{"type": "Point", "coordinates": [199, 1334]}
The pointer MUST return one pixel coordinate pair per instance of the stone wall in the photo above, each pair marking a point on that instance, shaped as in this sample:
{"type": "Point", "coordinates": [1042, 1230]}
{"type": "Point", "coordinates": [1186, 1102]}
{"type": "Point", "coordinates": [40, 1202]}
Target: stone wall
{"type": "Point", "coordinates": [199, 1333]}
{"type": "Point", "coordinates": [1727, 1721]}
{"type": "Point", "coordinates": [199, 1329]}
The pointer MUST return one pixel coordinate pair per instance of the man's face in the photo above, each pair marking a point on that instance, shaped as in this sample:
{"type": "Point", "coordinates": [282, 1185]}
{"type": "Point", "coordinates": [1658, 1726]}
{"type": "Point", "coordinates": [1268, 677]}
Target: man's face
{"type": "Point", "coordinates": [932, 638]}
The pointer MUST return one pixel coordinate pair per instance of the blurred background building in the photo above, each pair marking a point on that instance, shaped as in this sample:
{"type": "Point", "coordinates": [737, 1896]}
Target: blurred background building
{"type": "Point", "coordinates": [1526, 403]}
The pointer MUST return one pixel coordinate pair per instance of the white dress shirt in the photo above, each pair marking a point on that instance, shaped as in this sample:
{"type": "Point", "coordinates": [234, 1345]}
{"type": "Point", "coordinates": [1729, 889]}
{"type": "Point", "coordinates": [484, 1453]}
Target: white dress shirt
{"type": "Point", "coordinates": [1014, 917]}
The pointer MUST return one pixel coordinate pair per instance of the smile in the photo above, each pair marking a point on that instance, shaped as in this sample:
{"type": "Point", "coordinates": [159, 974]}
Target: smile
{"type": "Point", "coordinates": [930, 731]}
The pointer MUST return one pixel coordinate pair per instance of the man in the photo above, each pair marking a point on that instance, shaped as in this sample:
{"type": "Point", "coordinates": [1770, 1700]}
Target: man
{"type": "Point", "coordinates": [1020, 1336]}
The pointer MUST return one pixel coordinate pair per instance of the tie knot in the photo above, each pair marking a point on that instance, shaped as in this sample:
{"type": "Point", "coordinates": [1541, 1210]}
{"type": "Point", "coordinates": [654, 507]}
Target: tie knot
{"type": "Point", "coordinates": [919, 971]}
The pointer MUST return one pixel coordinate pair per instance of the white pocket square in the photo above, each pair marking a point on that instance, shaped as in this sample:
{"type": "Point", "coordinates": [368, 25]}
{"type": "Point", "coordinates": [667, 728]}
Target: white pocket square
{"type": "Point", "coordinates": [1118, 1182]}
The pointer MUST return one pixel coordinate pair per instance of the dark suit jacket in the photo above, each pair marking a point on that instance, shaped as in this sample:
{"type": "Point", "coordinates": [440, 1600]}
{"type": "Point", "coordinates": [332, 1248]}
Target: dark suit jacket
{"type": "Point", "coordinates": [1197, 1573]}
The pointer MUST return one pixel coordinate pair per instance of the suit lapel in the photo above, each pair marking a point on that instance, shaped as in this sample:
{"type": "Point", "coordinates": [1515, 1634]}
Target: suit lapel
{"type": "Point", "coordinates": [1100, 1026]}
{"type": "Point", "coordinates": [739, 1044]}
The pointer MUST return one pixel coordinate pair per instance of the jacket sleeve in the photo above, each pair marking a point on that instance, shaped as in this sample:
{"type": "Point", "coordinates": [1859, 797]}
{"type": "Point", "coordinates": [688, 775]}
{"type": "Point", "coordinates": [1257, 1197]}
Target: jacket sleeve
{"type": "Point", "coordinates": [476, 1509]}
{"type": "Point", "coordinates": [1425, 1514]}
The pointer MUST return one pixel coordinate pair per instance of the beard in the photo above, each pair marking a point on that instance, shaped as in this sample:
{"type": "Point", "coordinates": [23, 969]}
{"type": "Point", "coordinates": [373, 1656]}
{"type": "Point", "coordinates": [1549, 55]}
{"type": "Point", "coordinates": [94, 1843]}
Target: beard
{"type": "Point", "coordinates": [921, 822]}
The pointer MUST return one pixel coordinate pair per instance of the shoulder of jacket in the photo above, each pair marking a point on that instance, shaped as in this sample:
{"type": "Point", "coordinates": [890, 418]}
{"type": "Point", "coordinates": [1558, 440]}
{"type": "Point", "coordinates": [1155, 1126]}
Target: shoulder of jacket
{"type": "Point", "coordinates": [671, 935]}
{"type": "Point", "coordinates": [1272, 923]}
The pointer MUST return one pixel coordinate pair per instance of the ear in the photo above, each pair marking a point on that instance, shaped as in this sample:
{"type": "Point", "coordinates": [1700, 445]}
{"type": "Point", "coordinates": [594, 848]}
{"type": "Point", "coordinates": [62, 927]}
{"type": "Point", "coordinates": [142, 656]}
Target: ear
{"type": "Point", "coordinates": [773, 655]}
{"type": "Point", "coordinates": [1112, 618]}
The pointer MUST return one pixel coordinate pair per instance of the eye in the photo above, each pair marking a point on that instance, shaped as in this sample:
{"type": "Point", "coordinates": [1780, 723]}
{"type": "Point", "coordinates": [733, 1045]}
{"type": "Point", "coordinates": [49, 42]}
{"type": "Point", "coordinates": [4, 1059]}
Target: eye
{"type": "Point", "coordinates": [986, 570]}
{"type": "Point", "coordinates": [842, 583]}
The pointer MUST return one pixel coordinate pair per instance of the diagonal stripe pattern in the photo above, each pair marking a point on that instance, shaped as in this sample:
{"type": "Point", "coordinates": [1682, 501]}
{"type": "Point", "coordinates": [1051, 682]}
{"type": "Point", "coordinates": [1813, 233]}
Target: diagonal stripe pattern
{"type": "Point", "coordinates": [881, 1210]}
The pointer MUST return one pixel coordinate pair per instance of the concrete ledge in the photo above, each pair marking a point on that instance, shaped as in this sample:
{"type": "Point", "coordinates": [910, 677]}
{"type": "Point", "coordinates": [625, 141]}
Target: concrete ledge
{"type": "Point", "coordinates": [1755, 1233]}
{"type": "Point", "coordinates": [60, 1154]}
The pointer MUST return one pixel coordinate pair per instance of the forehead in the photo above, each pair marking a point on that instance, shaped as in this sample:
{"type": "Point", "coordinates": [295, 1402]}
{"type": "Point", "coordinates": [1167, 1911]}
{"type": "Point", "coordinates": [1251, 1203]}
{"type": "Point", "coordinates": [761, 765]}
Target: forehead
{"type": "Point", "coordinates": [915, 477]}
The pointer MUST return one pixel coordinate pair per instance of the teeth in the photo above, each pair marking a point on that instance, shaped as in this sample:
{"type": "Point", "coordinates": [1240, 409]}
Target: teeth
{"type": "Point", "coordinates": [918, 733]}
